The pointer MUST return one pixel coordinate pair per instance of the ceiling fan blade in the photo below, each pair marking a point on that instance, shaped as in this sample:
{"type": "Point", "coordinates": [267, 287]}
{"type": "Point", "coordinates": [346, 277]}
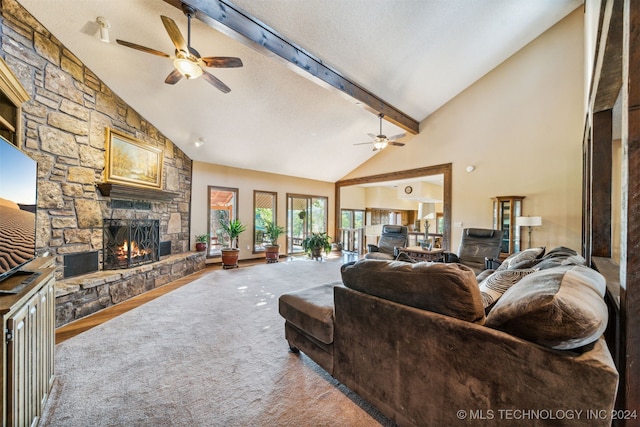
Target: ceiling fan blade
{"type": "Point", "coordinates": [173, 77]}
{"type": "Point", "coordinates": [398, 136]}
{"type": "Point", "coordinates": [372, 136]}
{"type": "Point", "coordinates": [215, 82]}
{"type": "Point", "coordinates": [222, 62]}
{"type": "Point", "coordinates": [364, 143]}
{"type": "Point", "coordinates": [397, 144]}
{"type": "Point", "coordinates": [174, 34]}
{"type": "Point", "coordinates": [142, 48]}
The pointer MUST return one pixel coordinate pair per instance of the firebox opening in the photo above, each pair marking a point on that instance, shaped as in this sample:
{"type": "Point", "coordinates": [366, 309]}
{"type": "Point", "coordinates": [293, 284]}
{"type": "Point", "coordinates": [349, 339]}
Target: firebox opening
{"type": "Point", "coordinates": [130, 242]}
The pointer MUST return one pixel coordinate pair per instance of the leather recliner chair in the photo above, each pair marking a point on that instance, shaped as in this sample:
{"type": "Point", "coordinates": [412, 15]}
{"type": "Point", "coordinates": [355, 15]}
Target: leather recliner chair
{"type": "Point", "coordinates": [393, 236]}
{"type": "Point", "coordinates": [477, 245]}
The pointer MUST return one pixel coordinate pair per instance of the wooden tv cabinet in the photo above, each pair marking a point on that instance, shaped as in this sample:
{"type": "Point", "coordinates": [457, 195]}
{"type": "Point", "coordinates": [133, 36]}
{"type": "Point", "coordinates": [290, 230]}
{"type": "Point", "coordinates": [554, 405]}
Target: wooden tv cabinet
{"type": "Point", "coordinates": [28, 334]}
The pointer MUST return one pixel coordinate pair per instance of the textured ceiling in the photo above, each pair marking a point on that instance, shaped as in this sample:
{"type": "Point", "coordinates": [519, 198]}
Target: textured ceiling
{"type": "Point", "coordinates": [414, 54]}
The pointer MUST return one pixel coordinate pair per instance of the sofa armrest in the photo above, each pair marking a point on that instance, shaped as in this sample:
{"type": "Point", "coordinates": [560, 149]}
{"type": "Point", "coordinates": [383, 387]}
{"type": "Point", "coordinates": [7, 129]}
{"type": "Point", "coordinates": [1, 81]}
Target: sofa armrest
{"type": "Point", "coordinates": [491, 263]}
{"type": "Point", "coordinates": [450, 257]}
{"type": "Point", "coordinates": [372, 248]}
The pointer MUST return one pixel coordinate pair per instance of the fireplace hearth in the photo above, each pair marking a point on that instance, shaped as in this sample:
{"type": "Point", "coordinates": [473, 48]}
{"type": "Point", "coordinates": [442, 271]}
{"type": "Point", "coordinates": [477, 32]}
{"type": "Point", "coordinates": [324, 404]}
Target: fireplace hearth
{"type": "Point", "coordinates": [130, 242]}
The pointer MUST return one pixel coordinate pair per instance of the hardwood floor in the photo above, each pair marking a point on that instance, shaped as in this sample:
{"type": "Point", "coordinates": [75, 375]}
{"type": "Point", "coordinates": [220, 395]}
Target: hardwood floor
{"type": "Point", "coordinates": [76, 327]}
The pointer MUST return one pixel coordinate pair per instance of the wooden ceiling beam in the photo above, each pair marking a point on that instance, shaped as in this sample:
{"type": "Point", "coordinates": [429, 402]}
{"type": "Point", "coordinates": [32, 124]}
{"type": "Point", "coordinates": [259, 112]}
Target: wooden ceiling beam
{"type": "Point", "coordinates": [607, 69]}
{"type": "Point", "coordinates": [231, 21]}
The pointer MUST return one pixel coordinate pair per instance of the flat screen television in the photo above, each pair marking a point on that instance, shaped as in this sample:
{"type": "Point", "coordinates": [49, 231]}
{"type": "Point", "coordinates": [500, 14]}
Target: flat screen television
{"type": "Point", "coordinates": [18, 192]}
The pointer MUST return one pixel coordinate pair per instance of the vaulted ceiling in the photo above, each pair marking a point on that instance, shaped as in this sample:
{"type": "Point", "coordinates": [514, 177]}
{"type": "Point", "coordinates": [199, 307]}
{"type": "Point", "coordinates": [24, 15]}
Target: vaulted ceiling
{"type": "Point", "coordinates": [414, 54]}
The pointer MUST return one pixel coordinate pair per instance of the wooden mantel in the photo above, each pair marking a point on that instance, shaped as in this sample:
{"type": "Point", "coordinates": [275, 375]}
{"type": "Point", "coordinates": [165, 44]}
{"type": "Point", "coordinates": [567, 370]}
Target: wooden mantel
{"type": "Point", "coordinates": [120, 191]}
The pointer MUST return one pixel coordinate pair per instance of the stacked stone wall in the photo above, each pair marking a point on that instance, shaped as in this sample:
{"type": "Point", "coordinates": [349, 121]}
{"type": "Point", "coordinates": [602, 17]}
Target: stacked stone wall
{"type": "Point", "coordinates": [63, 129]}
{"type": "Point", "coordinates": [81, 296]}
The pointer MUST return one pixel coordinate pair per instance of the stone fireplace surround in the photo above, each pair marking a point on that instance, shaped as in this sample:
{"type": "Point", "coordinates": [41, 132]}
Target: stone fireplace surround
{"type": "Point", "coordinates": [80, 296]}
{"type": "Point", "coordinates": [63, 129]}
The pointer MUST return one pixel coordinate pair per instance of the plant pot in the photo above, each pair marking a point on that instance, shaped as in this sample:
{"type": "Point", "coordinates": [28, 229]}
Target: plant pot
{"type": "Point", "coordinates": [316, 253]}
{"type": "Point", "coordinates": [230, 258]}
{"type": "Point", "coordinates": [271, 253]}
{"type": "Point", "coordinates": [201, 247]}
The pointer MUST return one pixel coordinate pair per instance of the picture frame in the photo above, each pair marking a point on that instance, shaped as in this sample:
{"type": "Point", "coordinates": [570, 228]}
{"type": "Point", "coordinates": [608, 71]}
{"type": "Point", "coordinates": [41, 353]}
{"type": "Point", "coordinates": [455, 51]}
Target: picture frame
{"type": "Point", "coordinates": [131, 161]}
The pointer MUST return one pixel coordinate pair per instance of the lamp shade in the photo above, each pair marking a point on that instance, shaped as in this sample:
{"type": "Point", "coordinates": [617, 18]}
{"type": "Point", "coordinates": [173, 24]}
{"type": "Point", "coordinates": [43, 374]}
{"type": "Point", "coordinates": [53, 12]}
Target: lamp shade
{"type": "Point", "coordinates": [529, 221]}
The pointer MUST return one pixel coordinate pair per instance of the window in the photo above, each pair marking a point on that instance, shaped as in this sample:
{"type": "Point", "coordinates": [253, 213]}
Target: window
{"type": "Point", "coordinates": [223, 207]}
{"type": "Point", "coordinates": [264, 211]}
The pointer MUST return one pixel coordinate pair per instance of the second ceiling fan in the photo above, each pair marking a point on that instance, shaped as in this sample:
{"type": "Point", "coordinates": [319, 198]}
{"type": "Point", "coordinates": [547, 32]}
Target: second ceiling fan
{"type": "Point", "coordinates": [380, 141]}
{"type": "Point", "coordinates": [187, 61]}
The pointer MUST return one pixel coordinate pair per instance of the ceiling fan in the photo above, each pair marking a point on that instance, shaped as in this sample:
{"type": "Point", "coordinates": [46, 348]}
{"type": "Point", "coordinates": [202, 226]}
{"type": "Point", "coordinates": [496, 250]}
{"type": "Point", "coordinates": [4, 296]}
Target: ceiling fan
{"type": "Point", "coordinates": [380, 141]}
{"type": "Point", "coordinates": [187, 61]}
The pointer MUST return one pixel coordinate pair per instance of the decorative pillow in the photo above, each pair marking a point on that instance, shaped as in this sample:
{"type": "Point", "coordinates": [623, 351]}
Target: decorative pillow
{"type": "Point", "coordinates": [562, 308]}
{"type": "Point", "coordinates": [449, 289]}
{"type": "Point", "coordinates": [484, 274]}
{"type": "Point", "coordinates": [523, 259]}
{"type": "Point", "coordinates": [560, 256]}
{"type": "Point", "coordinates": [499, 282]}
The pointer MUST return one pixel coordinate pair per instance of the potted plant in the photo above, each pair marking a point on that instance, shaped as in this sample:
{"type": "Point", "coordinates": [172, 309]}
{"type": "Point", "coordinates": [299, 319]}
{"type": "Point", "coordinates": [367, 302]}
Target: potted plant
{"type": "Point", "coordinates": [315, 243]}
{"type": "Point", "coordinates": [272, 250]}
{"type": "Point", "coordinates": [233, 229]}
{"type": "Point", "coordinates": [201, 242]}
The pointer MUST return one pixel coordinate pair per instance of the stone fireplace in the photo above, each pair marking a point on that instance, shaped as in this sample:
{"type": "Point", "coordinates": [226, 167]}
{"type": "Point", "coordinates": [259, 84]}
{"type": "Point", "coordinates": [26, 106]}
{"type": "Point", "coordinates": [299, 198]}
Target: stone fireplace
{"type": "Point", "coordinates": [130, 242]}
{"type": "Point", "coordinates": [63, 125]}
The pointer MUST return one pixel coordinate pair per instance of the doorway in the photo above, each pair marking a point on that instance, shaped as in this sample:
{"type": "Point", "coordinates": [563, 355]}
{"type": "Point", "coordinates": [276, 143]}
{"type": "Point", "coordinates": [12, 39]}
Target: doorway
{"type": "Point", "coordinates": [444, 223]}
{"type": "Point", "coordinates": [305, 215]}
{"type": "Point", "coordinates": [352, 223]}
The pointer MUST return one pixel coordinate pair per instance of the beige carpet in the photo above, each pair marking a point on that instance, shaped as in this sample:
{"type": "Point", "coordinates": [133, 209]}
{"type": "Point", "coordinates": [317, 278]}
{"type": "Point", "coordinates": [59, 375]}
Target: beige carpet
{"type": "Point", "coordinates": [211, 353]}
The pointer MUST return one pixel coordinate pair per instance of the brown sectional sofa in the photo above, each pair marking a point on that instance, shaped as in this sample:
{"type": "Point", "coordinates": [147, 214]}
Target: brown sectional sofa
{"type": "Point", "coordinates": [414, 340]}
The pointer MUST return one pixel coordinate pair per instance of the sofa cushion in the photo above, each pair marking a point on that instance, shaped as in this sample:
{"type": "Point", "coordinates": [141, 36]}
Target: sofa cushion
{"type": "Point", "coordinates": [562, 308]}
{"type": "Point", "coordinates": [523, 259]}
{"type": "Point", "coordinates": [449, 289]}
{"type": "Point", "coordinates": [311, 310]}
{"type": "Point", "coordinates": [560, 256]}
{"type": "Point", "coordinates": [496, 284]}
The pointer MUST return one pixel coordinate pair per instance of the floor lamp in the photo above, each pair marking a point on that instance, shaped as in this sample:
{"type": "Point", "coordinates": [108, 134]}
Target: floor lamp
{"type": "Point", "coordinates": [529, 221]}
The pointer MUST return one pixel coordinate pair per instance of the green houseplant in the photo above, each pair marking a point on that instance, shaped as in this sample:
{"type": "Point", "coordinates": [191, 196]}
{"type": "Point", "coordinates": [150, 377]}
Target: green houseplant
{"type": "Point", "coordinates": [273, 232]}
{"type": "Point", "coordinates": [201, 242]}
{"type": "Point", "coordinates": [315, 243]}
{"type": "Point", "coordinates": [233, 229]}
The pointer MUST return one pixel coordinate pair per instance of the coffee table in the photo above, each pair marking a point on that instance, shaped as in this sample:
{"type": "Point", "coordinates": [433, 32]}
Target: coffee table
{"type": "Point", "coordinates": [421, 254]}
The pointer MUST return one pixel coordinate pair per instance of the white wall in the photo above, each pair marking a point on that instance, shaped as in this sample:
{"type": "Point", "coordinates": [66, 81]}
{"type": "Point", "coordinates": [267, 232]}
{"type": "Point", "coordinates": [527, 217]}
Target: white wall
{"type": "Point", "coordinates": [206, 174]}
{"type": "Point", "coordinates": [521, 127]}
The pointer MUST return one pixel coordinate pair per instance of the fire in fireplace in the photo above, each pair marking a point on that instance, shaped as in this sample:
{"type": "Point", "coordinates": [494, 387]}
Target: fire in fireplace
{"type": "Point", "coordinates": [130, 242]}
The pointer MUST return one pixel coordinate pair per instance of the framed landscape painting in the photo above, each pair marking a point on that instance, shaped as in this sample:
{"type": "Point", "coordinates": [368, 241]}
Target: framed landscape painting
{"type": "Point", "coordinates": [132, 162]}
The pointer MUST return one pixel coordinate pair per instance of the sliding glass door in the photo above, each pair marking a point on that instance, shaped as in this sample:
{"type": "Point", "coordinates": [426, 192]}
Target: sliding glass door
{"type": "Point", "coordinates": [305, 215]}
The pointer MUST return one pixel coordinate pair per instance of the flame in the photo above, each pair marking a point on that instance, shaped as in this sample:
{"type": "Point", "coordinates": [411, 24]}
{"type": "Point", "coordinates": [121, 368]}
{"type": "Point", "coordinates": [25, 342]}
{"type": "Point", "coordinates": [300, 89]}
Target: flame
{"type": "Point", "coordinates": [135, 250]}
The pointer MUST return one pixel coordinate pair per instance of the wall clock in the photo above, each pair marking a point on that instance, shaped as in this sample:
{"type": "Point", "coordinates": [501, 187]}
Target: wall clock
{"type": "Point", "coordinates": [408, 189]}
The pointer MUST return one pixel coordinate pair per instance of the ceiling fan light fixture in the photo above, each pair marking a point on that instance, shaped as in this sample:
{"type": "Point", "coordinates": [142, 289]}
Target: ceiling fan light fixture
{"type": "Point", "coordinates": [187, 68]}
{"type": "Point", "coordinates": [379, 145]}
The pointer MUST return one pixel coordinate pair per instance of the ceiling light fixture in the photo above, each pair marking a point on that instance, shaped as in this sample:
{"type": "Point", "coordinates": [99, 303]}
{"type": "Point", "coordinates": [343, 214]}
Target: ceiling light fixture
{"type": "Point", "coordinates": [199, 143]}
{"type": "Point", "coordinates": [187, 67]}
{"type": "Point", "coordinates": [104, 28]}
{"type": "Point", "coordinates": [380, 143]}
